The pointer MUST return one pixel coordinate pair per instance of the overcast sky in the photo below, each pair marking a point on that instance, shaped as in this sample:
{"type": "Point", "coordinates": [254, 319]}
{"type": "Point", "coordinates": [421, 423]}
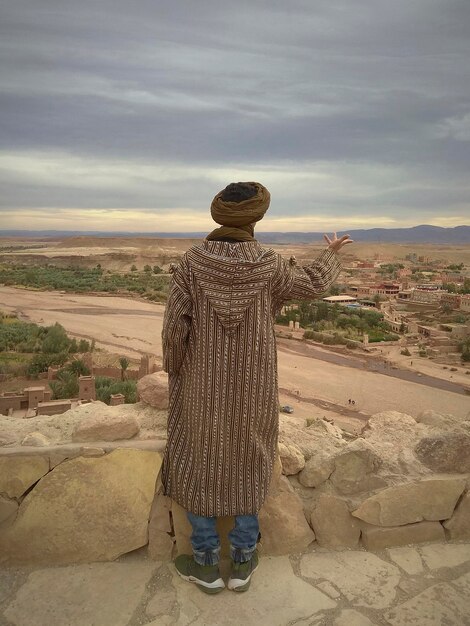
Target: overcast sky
{"type": "Point", "coordinates": [131, 115]}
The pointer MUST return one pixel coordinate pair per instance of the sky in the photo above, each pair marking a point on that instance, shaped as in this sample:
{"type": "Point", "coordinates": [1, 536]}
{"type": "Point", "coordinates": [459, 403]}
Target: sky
{"type": "Point", "coordinates": [122, 115]}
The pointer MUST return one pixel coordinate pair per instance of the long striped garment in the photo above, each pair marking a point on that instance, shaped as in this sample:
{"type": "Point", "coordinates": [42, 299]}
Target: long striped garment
{"type": "Point", "coordinates": [219, 349]}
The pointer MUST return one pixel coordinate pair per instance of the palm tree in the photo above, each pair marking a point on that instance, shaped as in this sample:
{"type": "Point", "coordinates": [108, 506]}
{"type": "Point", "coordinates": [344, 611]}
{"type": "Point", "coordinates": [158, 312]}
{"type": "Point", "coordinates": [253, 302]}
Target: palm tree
{"type": "Point", "coordinates": [124, 363]}
{"type": "Point", "coordinates": [78, 367]}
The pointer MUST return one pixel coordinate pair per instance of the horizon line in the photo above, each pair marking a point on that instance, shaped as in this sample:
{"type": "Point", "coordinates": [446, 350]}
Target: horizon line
{"type": "Point", "coordinates": [198, 232]}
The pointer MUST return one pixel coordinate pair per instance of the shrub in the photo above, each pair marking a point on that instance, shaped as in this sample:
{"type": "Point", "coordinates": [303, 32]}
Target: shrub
{"type": "Point", "coordinates": [405, 352]}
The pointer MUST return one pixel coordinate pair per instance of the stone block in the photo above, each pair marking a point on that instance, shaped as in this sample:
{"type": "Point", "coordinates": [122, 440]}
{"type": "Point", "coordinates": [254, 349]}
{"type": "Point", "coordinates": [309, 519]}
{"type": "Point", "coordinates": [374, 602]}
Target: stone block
{"type": "Point", "coordinates": [356, 468]}
{"type": "Point", "coordinates": [317, 470]}
{"type": "Point", "coordinates": [18, 473]}
{"type": "Point", "coordinates": [107, 427]}
{"type": "Point", "coordinates": [153, 390]}
{"type": "Point", "coordinates": [35, 439]}
{"type": "Point", "coordinates": [85, 509]}
{"type": "Point", "coordinates": [380, 537]}
{"type": "Point", "coordinates": [283, 526]}
{"type": "Point", "coordinates": [446, 452]}
{"type": "Point", "coordinates": [8, 509]}
{"type": "Point", "coordinates": [430, 499]}
{"type": "Point", "coordinates": [333, 524]}
{"type": "Point", "coordinates": [292, 459]}
{"type": "Point", "coordinates": [458, 526]}
{"type": "Point", "coordinates": [59, 455]}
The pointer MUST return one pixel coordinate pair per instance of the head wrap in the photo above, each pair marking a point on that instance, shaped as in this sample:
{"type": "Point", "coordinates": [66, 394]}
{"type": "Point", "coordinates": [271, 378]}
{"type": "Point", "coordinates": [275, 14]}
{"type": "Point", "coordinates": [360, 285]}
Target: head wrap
{"type": "Point", "coordinates": [241, 213]}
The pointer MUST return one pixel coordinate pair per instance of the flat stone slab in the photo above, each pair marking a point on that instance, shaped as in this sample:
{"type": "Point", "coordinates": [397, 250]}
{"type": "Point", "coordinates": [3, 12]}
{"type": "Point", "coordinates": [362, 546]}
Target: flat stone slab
{"type": "Point", "coordinates": [349, 617]}
{"type": "Point", "coordinates": [105, 594]}
{"type": "Point", "coordinates": [363, 578]}
{"type": "Point", "coordinates": [445, 555]}
{"type": "Point", "coordinates": [275, 593]}
{"type": "Point", "coordinates": [442, 604]}
{"type": "Point", "coordinates": [407, 558]}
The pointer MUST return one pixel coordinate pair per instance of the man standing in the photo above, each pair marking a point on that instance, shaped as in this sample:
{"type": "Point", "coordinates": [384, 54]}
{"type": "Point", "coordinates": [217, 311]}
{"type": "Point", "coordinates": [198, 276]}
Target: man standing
{"type": "Point", "coordinates": [219, 350]}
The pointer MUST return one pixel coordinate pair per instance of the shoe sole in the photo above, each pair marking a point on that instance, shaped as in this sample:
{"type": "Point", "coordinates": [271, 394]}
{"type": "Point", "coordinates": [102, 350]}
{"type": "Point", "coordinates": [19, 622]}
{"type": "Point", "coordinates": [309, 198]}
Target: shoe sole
{"type": "Point", "coordinates": [237, 584]}
{"type": "Point", "coordinates": [215, 587]}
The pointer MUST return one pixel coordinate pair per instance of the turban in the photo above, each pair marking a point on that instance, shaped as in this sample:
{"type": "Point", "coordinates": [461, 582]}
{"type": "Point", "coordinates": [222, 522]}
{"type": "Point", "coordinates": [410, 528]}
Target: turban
{"type": "Point", "coordinates": [241, 213]}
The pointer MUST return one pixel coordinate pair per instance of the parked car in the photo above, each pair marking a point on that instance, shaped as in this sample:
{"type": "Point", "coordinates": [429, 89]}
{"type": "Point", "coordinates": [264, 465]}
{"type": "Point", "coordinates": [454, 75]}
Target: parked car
{"type": "Point", "coordinates": [287, 409]}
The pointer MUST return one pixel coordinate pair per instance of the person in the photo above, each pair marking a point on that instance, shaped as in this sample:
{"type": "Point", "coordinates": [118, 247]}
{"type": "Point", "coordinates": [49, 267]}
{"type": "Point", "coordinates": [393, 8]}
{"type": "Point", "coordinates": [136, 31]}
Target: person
{"type": "Point", "coordinates": [219, 350]}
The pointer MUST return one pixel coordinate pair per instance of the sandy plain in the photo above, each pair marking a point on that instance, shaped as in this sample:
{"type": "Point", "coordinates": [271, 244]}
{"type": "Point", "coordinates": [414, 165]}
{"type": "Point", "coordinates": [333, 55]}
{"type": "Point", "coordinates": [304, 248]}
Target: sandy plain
{"type": "Point", "coordinates": [133, 327]}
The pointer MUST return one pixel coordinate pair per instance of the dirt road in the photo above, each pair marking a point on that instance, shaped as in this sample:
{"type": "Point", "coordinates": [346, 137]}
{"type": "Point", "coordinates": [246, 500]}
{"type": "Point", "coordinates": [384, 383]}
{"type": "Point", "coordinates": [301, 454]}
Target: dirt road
{"type": "Point", "coordinates": [132, 327]}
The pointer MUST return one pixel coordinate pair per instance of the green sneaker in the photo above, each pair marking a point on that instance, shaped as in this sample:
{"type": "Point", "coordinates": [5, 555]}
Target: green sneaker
{"type": "Point", "coordinates": [240, 576]}
{"type": "Point", "coordinates": [206, 577]}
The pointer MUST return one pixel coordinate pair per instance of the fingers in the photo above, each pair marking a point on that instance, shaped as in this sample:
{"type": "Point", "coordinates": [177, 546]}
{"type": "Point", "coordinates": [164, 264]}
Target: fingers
{"type": "Point", "coordinates": [327, 239]}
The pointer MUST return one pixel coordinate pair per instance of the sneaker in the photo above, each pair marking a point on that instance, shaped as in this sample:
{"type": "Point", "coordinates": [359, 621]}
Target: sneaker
{"type": "Point", "coordinates": [240, 576]}
{"type": "Point", "coordinates": [206, 577]}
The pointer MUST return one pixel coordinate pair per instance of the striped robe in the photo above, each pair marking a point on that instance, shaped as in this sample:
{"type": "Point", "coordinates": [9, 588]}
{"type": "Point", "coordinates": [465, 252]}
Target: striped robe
{"type": "Point", "coordinates": [219, 350]}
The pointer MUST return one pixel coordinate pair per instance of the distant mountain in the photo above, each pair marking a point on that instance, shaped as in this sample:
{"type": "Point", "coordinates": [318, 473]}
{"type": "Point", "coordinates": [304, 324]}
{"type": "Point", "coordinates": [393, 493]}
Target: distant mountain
{"type": "Point", "coordinates": [416, 234]}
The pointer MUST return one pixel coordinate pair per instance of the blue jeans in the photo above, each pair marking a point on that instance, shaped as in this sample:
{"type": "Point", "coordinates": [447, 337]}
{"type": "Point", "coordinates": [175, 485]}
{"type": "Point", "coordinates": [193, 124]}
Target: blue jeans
{"type": "Point", "coordinates": [206, 542]}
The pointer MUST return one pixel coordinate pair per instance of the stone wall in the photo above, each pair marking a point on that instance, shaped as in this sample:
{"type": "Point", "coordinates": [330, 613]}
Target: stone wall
{"type": "Point", "coordinates": [403, 481]}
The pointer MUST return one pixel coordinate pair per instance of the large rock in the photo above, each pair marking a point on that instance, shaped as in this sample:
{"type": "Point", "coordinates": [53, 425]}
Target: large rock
{"type": "Point", "coordinates": [446, 452]}
{"type": "Point", "coordinates": [442, 421]}
{"type": "Point", "coordinates": [356, 468]}
{"type": "Point", "coordinates": [108, 427]}
{"type": "Point", "coordinates": [8, 508]}
{"type": "Point", "coordinates": [153, 390]}
{"type": "Point", "coordinates": [393, 435]}
{"type": "Point", "coordinates": [320, 436]}
{"type": "Point", "coordinates": [333, 524]}
{"type": "Point", "coordinates": [317, 470]}
{"type": "Point", "coordinates": [283, 526]}
{"type": "Point", "coordinates": [458, 525]}
{"type": "Point", "coordinates": [379, 537]}
{"type": "Point", "coordinates": [85, 509]}
{"type": "Point", "coordinates": [430, 499]}
{"type": "Point", "coordinates": [18, 473]}
{"type": "Point", "coordinates": [35, 439]}
{"type": "Point", "coordinates": [292, 459]}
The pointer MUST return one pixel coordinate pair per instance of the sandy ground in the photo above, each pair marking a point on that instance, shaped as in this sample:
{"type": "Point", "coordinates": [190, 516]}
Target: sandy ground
{"type": "Point", "coordinates": [425, 366]}
{"type": "Point", "coordinates": [123, 325]}
{"type": "Point", "coordinates": [132, 327]}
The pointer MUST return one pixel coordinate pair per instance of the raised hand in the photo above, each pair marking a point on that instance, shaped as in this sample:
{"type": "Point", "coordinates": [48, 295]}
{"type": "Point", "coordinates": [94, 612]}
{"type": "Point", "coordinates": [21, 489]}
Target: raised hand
{"type": "Point", "coordinates": [336, 244]}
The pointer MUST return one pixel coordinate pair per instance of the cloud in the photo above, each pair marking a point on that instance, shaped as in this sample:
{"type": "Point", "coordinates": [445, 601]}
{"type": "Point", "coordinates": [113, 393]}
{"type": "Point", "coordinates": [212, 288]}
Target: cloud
{"type": "Point", "coordinates": [343, 109]}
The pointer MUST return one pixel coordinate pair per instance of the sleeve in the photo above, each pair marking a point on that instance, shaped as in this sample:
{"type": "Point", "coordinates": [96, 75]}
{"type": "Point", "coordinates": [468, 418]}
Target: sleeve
{"type": "Point", "coordinates": [306, 281]}
{"type": "Point", "coordinates": [176, 320]}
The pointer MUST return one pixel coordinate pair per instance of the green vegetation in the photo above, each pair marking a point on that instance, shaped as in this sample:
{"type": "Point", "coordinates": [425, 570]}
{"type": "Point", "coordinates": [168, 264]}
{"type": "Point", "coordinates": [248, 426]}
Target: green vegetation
{"type": "Point", "coordinates": [464, 348]}
{"type": "Point", "coordinates": [340, 323]}
{"type": "Point", "coordinates": [106, 386]}
{"type": "Point", "coordinates": [454, 288]}
{"type": "Point", "coordinates": [82, 280]}
{"type": "Point", "coordinates": [26, 348]}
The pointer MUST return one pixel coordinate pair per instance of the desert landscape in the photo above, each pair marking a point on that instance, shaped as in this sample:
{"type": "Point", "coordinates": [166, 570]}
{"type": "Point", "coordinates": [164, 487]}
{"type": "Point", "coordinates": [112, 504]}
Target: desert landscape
{"type": "Point", "coordinates": [314, 382]}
